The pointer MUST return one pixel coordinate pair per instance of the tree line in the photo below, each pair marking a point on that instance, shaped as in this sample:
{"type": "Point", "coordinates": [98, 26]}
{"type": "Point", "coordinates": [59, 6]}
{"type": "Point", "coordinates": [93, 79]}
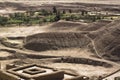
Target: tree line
{"type": "Point", "coordinates": [43, 16]}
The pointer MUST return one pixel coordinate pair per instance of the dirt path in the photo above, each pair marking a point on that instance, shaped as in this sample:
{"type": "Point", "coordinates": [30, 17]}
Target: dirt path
{"type": "Point", "coordinates": [22, 53]}
{"type": "Point", "coordinates": [94, 47]}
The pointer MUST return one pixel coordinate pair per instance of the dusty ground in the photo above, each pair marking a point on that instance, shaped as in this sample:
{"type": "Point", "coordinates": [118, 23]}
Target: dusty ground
{"type": "Point", "coordinates": [23, 31]}
{"type": "Point", "coordinates": [86, 70]}
{"type": "Point", "coordinates": [65, 1]}
{"type": "Point", "coordinates": [4, 54]}
{"type": "Point", "coordinates": [81, 69]}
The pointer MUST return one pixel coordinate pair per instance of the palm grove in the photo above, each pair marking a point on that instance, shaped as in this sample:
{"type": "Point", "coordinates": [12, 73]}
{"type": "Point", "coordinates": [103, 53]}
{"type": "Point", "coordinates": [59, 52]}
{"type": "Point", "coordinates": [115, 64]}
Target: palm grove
{"type": "Point", "coordinates": [44, 16]}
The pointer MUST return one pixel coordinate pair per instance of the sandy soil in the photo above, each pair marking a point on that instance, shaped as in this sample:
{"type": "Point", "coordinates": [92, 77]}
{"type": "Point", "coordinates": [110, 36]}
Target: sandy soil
{"type": "Point", "coordinates": [86, 70]}
{"type": "Point", "coordinates": [9, 11]}
{"type": "Point", "coordinates": [81, 69]}
{"type": "Point", "coordinates": [4, 54]}
{"type": "Point", "coordinates": [65, 1]}
{"type": "Point", "coordinates": [21, 30]}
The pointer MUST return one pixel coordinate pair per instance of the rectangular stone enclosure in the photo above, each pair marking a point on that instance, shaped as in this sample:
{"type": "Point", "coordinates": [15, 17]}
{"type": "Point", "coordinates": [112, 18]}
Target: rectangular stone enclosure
{"type": "Point", "coordinates": [37, 72]}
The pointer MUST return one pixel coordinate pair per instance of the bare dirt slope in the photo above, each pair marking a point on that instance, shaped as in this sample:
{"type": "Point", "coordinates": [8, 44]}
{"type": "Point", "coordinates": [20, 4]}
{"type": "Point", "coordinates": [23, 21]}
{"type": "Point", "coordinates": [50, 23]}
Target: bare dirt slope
{"type": "Point", "coordinates": [104, 39]}
{"type": "Point", "coordinates": [69, 26]}
{"type": "Point", "coordinates": [55, 41]}
{"type": "Point", "coordinates": [107, 40]}
{"type": "Point", "coordinates": [28, 56]}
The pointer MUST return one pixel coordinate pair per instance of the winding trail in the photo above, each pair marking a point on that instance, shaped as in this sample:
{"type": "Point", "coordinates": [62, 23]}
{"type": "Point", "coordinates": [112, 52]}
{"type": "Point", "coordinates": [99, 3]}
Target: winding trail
{"type": "Point", "coordinates": [94, 47]}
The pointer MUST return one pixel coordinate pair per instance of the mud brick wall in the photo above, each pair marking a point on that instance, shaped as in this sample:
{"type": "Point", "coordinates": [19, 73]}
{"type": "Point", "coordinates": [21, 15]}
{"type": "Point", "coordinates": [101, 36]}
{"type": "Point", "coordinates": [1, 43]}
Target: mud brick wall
{"type": "Point", "coordinates": [7, 76]}
{"type": "Point", "coordinates": [59, 75]}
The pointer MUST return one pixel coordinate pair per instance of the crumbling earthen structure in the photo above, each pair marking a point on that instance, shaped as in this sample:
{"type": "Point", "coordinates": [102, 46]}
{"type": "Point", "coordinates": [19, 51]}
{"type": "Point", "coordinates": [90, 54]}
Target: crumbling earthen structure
{"type": "Point", "coordinates": [36, 72]}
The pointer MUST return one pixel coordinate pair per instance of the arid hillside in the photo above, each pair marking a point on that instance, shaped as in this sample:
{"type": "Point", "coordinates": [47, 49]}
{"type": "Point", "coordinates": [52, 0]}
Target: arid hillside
{"type": "Point", "coordinates": [107, 40]}
{"type": "Point", "coordinates": [67, 26]}
{"type": "Point", "coordinates": [104, 38]}
{"type": "Point", "coordinates": [75, 33]}
{"type": "Point", "coordinates": [55, 41]}
{"type": "Point", "coordinates": [77, 26]}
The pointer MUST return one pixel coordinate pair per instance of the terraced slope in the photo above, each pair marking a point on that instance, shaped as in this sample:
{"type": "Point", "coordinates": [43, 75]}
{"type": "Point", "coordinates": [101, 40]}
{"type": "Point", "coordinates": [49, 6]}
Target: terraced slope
{"type": "Point", "coordinates": [68, 26]}
{"type": "Point", "coordinates": [78, 26]}
{"type": "Point", "coordinates": [96, 25]}
{"type": "Point", "coordinates": [107, 41]}
{"type": "Point", "coordinates": [55, 40]}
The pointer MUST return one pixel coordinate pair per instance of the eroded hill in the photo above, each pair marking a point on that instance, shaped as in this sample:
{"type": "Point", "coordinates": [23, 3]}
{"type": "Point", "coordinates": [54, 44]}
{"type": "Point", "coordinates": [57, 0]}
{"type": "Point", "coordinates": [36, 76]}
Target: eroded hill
{"type": "Point", "coordinates": [55, 41]}
{"type": "Point", "coordinates": [104, 39]}
{"type": "Point", "coordinates": [107, 41]}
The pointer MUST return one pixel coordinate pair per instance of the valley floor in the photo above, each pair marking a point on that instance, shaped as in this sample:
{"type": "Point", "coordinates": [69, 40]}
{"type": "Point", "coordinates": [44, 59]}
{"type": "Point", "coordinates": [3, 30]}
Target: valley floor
{"type": "Point", "coordinates": [81, 69]}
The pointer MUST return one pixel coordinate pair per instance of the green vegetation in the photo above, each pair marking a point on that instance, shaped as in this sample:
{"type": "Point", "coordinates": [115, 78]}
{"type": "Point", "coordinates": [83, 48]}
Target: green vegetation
{"type": "Point", "coordinates": [78, 17]}
{"type": "Point", "coordinates": [43, 16]}
{"type": "Point", "coordinates": [3, 20]}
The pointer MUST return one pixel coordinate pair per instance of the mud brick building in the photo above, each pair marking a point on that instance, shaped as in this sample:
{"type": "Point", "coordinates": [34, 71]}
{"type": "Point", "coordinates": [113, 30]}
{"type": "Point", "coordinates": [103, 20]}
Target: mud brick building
{"type": "Point", "coordinates": [36, 72]}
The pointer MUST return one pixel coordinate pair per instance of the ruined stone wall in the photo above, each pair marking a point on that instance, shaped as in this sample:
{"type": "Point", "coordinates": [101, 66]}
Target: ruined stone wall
{"type": "Point", "coordinates": [85, 61]}
{"type": "Point", "coordinates": [59, 75]}
{"type": "Point", "coordinates": [79, 78]}
{"type": "Point", "coordinates": [7, 76]}
{"type": "Point", "coordinates": [55, 75]}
